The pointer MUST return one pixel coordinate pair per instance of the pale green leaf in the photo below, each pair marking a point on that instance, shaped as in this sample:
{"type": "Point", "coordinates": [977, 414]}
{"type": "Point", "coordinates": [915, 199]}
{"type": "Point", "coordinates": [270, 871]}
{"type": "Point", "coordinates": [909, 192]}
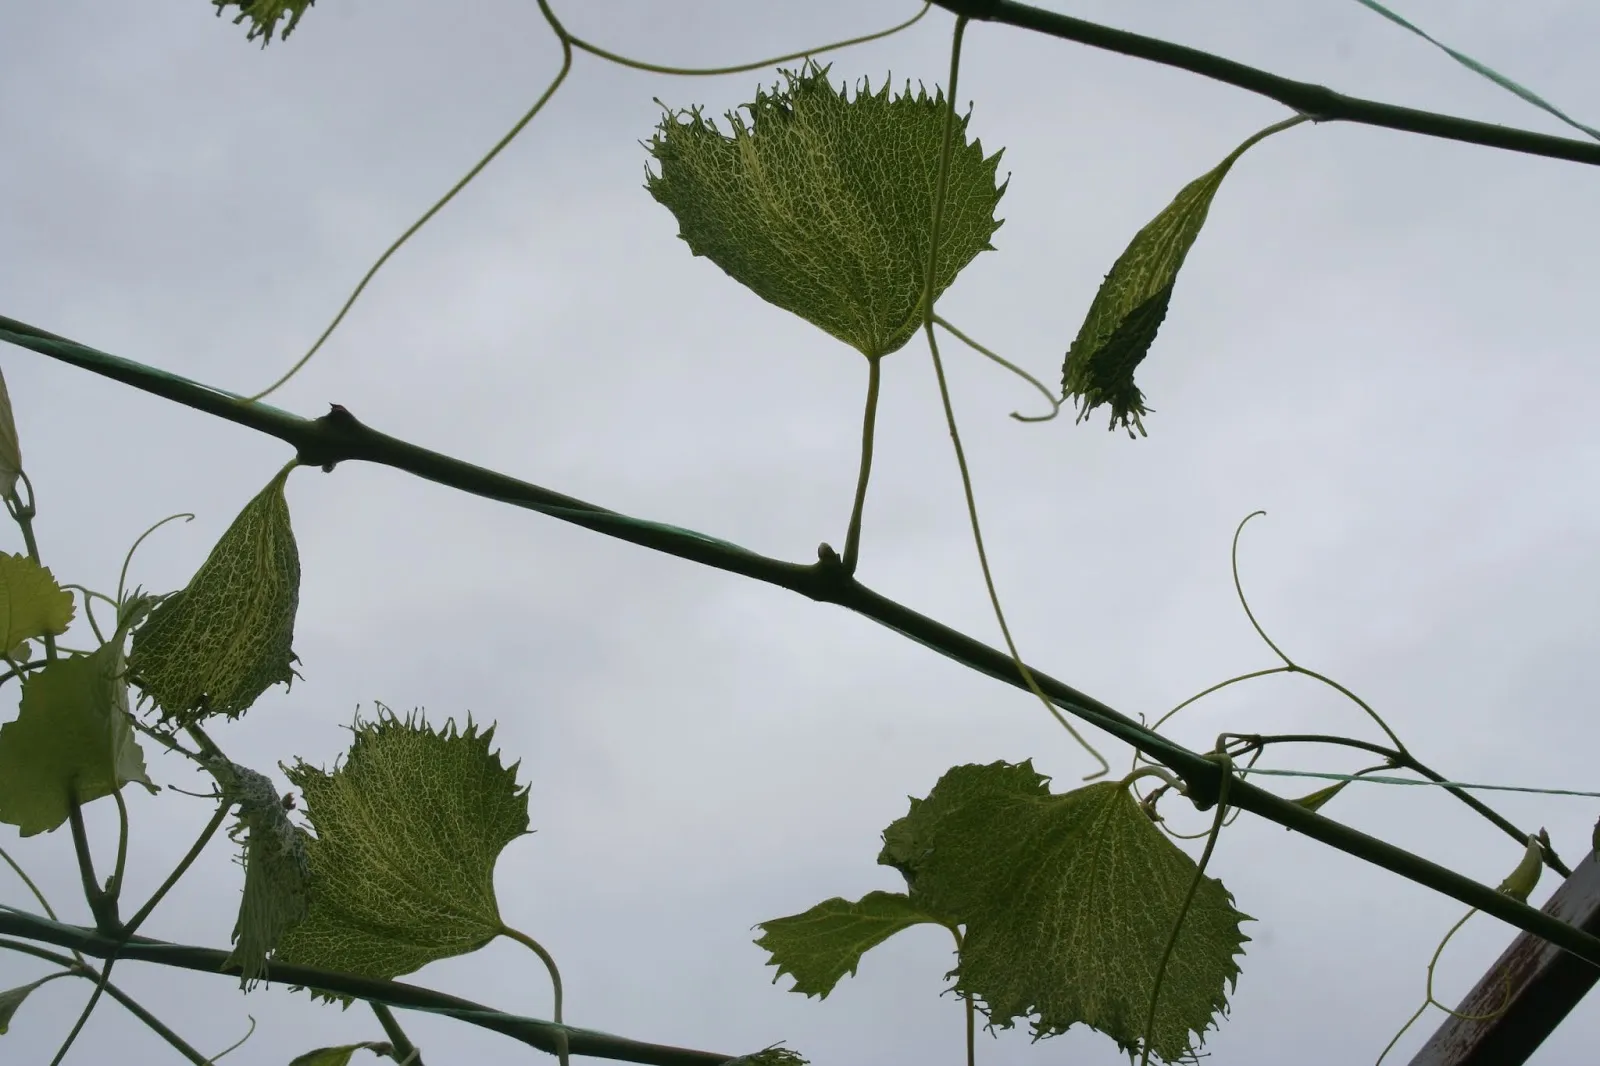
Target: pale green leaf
{"type": "Point", "coordinates": [408, 830]}
{"type": "Point", "coordinates": [277, 869]}
{"type": "Point", "coordinates": [215, 646]}
{"type": "Point", "coordinates": [31, 603]}
{"type": "Point", "coordinates": [264, 16]}
{"type": "Point", "coordinates": [1132, 301]}
{"type": "Point", "coordinates": [10, 450]}
{"type": "Point", "coordinates": [11, 1000]}
{"type": "Point", "coordinates": [826, 942]}
{"type": "Point", "coordinates": [1521, 882]}
{"type": "Point", "coordinates": [73, 736]}
{"type": "Point", "coordinates": [338, 1056]}
{"type": "Point", "coordinates": [1068, 902]}
{"type": "Point", "coordinates": [772, 1056]}
{"type": "Point", "coordinates": [823, 205]}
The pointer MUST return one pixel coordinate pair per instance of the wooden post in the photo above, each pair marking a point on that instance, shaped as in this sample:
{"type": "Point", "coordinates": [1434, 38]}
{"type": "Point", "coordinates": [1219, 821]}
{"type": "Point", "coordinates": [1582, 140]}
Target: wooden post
{"type": "Point", "coordinates": [1545, 984]}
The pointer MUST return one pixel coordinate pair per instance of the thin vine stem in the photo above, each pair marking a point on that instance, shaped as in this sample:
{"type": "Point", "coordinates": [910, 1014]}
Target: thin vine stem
{"type": "Point", "coordinates": [562, 1049]}
{"type": "Point", "coordinates": [182, 868]}
{"type": "Point", "coordinates": [1050, 397]}
{"type": "Point", "coordinates": [940, 188]}
{"type": "Point", "coordinates": [869, 420]}
{"type": "Point", "coordinates": [655, 68]}
{"type": "Point", "coordinates": [405, 1052]}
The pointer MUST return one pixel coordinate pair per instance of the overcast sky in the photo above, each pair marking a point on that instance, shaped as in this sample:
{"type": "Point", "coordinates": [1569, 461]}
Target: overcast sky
{"type": "Point", "coordinates": [1380, 339]}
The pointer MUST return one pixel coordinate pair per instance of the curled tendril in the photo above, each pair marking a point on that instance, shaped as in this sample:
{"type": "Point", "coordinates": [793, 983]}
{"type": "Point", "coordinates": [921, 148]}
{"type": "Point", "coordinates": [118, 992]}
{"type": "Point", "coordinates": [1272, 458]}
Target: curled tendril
{"type": "Point", "coordinates": [122, 578]}
{"type": "Point", "coordinates": [1050, 397]}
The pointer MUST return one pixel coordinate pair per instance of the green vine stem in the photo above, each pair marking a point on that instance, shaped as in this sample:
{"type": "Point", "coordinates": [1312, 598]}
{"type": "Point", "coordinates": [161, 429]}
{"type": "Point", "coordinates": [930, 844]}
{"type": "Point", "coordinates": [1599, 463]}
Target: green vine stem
{"type": "Point", "coordinates": [1319, 102]}
{"type": "Point", "coordinates": [869, 420]}
{"type": "Point", "coordinates": [970, 1006]}
{"type": "Point", "coordinates": [1226, 765]}
{"type": "Point", "coordinates": [182, 868]}
{"type": "Point", "coordinates": [549, 961]}
{"type": "Point", "coordinates": [1050, 397]}
{"type": "Point", "coordinates": [339, 437]}
{"type": "Point", "coordinates": [940, 187]}
{"type": "Point", "coordinates": [1407, 761]}
{"type": "Point", "coordinates": [404, 1050]}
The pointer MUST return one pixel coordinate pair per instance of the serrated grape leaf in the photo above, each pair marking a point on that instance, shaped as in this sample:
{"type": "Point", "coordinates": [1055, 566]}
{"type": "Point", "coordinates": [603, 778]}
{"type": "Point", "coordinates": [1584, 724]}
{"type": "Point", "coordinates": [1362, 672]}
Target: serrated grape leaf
{"type": "Point", "coordinates": [11, 1000]}
{"type": "Point", "coordinates": [10, 450]}
{"type": "Point", "coordinates": [31, 603]}
{"type": "Point", "coordinates": [407, 833]}
{"type": "Point", "coordinates": [338, 1056]}
{"type": "Point", "coordinates": [213, 647]}
{"type": "Point", "coordinates": [1132, 301]}
{"type": "Point", "coordinates": [1068, 902]}
{"type": "Point", "coordinates": [826, 942]}
{"type": "Point", "coordinates": [277, 869]}
{"type": "Point", "coordinates": [72, 736]}
{"type": "Point", "coordinates": [823, 205]}
{"type": "Point", "coordinates": [264, 16]}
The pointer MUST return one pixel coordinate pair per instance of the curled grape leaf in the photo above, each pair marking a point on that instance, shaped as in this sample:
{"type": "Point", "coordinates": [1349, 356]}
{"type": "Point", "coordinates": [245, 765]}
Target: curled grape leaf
{"type": "Point", "coordinates": [276, 867]}
{"type": "Point", "coordinates": [10, 450]}
{"type": "Point", "coordinates": [31, 603]}
{"type": "Point", "coordinates": [1068, 902]}
{"type": "Point", "coordinates": [823, 205]}
{"type": "Point", "coordinates": [264, 16]}
{"type": "Point", "coordinates": [11, 1000]}
{"type": "Point", "coordinates": [213, 647]}
{"type": "Point", "coordinates": [1132, 301]}
{"type": "Point", "coordinates": [826, 942]}
{"type": "Point", "coordinates": [408, 830]}
{"type": "Point", "coordinates": [72, 738]}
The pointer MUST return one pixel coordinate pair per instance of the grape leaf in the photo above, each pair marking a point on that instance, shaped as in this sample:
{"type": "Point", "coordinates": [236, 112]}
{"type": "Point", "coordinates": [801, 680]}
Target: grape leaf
{"type": "Point", "coordinates": [215, 646]}
{"type": "Point", "coordinates": [73, 736]}
{"type": "Point", "coordinates": [339, 1056]}
{"type": "Point", "coordinates": [11, 1000]}
{"type": "Point", "coordinates": [31, 603]}
{"type": "Point", "coordinates": [407, 833]}
{"type": "Point", "coordinates": [10, 450]}
{"type": "Point", "coordinates": [823, 205]}
{"type": "Point", "coordinates": [772, 1056]}
{"type": "Point", "coordinates": [276, 867]}
{"type": "Point", "coordinates": [826, 942]}
{"type": "Point", "coordinates": [1132, 301]}
{"type": "Point", "coordinates": [1068, 902]}
{"type": "Point", "coordinates": [264, 16]}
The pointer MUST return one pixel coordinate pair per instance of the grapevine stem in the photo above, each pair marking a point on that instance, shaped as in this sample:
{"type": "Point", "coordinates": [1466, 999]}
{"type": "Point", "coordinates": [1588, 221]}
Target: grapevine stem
{"type": "Point", "coordinates": [852, 538]}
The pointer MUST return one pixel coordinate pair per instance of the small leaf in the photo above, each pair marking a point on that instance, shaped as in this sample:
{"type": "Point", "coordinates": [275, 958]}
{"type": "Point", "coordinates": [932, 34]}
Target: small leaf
{"type": "Point", "coordinates": [823, 205]}
{"type": "Point", "coordinates": [338, 1056]}
{"type": "Point", "coordinates": [772, 1056]}
{"type": "Point", "coordinates": [1525, 878]}
{"type": "Point", "coordinates": [277, 868]}
{"type": "Point", "coordinates": [10, 450]}
{"type": "Point", "coordinates": [73, 736]}
{"type": "Point", "coordinates": [407, 834]}
{"type": "Point", "coordinates": [214, 647]}
{"type": "Point", "coordinates": [1068, 902]}
{"type": "Point", "coordinates": [31, 603]}
{"type": "Point", "coordinates": [11, 1000]}
{"type": "Point", "coordinates": [1132, 301]}
{"type": "Point", "coordinates": [826, 942]}
{"type": "Point", "coordinates": [264, 16]}
{"type": "Point", "coordinates": [1315, 800]}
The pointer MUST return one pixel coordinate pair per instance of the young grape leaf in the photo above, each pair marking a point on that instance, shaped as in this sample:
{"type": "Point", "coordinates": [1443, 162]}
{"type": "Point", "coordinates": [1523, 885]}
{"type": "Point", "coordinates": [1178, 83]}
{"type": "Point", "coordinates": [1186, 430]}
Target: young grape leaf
{"type": "Point", "coordinates": [72, 737]}
{"type": "Point", "coordinates": [1068, 902]}
{"type": "Point", "coordinates": [772, 1056]}
{"type": "Point", "coordinates": [1132, 301]}
{"type": "Point", "coordinates": [11, 1000]}
{"type": "Point", "coordinates": [407, 833]}
{"type": "Point", "coordinates": [825, 943]}
{"type": "Point", "coordinates": [215, 646]}
{"type": "Point", "coordinates": [276, 867]}
{"type": "Point", "coordinates": [264, 16]}
{"type": "Point", "coordinates": [823, 205]}
{"type": "Point", "coordinates": [31, 603]}
{"type": "Point", "coordinates": [339, 1056]}
{"type": "Point", "coordinates": [10, 450]}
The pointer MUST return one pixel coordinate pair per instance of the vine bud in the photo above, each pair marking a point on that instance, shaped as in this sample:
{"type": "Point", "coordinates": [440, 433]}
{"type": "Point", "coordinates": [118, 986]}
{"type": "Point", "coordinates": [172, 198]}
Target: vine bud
{"type": "Point", "coordinates": [1525, 877]}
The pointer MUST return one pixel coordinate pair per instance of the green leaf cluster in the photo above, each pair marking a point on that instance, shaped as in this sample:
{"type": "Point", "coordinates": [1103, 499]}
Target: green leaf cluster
{"type": "Point", "coordinates": [823, 204]}
{"type": "Point", "coordinates": [408, 831]}
{"type": "Point", "coordinates": [1064, 903]}
{"type": "Point", "coordinates": [213, 647]}
{"type": "Point", "coordinates": [264, 16]}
